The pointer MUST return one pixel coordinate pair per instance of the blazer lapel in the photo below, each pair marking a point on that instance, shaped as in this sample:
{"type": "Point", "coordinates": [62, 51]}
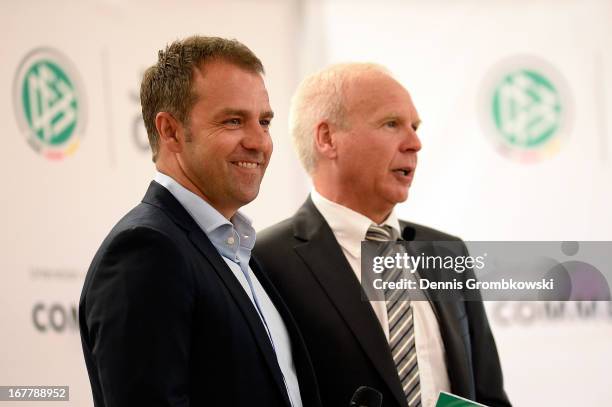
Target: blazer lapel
{"type": "Point", "coordinates": [458, 364]}
{"type": "Point", "coordinates": [303, 364]}
{"type": "Point", "coordinates": [159, 196]}
{"type": "Point", "coordinates": [448, 315]}
{"type": "Point", "coordinates": [325, 260]}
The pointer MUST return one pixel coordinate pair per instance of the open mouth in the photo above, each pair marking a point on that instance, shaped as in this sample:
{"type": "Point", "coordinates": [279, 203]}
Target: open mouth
{"type": "Point", "coordinates": [403, 171]}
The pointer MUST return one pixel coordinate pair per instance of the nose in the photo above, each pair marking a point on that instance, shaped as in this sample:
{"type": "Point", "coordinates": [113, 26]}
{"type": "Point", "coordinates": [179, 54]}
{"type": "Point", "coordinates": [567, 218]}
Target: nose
{"type": "Point", "coordinates": [411, 141]}
{"type": "Point", "coordinates": [257, 138]}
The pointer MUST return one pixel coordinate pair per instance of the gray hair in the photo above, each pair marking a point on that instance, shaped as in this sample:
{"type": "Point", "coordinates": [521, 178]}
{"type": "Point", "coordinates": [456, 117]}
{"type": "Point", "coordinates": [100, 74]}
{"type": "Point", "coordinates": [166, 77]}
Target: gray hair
{"type": "Point", "coordinates": [321, 97]}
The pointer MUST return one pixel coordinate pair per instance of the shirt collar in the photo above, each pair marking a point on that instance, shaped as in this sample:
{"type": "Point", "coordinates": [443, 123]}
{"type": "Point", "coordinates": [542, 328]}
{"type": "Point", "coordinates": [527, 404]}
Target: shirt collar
{"type": "Point", "coordinates": [232, 239]}
{"type": "Point", "coordinates": [349, 227]}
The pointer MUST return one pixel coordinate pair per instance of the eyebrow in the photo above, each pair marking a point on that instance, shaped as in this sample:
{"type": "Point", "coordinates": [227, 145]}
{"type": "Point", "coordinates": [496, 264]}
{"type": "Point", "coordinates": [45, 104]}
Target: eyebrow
{"type": "Point", "coordinates": [268, 114]}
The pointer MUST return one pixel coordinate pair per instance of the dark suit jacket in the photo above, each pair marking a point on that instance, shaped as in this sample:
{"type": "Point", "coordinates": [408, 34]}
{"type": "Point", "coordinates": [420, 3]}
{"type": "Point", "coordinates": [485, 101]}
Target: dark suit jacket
{"type": "Point", "coordinates": [346, 343]}
{"type": "Point", "coordinates": [164, 322]}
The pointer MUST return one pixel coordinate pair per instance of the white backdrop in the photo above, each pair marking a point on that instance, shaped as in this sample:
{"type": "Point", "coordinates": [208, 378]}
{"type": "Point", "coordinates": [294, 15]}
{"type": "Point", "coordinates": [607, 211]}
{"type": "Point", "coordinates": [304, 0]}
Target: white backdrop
{"type": "Point", "coordinates": [54, 214]}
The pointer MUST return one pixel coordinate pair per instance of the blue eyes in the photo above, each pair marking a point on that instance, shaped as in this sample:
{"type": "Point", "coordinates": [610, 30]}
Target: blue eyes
{"type": "Point", "coordinates": [394, 124]}
{"type": "Point", "coordinates": [238, 122]}
{"type": "Point", "coordinates": [234, 122]}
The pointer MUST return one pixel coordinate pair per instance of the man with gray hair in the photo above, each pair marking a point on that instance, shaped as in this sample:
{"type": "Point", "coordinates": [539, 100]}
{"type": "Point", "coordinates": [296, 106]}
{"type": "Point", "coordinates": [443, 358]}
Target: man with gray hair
{"type": "Point", "coordinates": [174, 312]}
{"type": "Point", "coordinates": [354, 127]}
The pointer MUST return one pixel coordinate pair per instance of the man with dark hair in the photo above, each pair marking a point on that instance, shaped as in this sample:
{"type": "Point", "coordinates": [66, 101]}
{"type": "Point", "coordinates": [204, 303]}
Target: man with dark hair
{"type": "Point", "coordinates": [174, 312]}
{"type": "Point", "coordinates": [167, 85]}
{"type": "Point", "coordinates": [355, 127]}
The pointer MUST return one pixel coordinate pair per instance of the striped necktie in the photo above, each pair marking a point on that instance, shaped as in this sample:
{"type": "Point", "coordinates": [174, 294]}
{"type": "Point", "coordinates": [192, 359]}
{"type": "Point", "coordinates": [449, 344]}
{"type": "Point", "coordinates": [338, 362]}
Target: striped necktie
{"type": "Point", "coordinates": [401, 323]}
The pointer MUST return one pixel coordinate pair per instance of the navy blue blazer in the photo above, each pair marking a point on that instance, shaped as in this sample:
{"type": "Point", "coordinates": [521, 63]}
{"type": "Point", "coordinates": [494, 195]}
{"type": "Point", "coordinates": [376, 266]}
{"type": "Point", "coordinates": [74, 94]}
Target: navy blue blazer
{"type": "Point", "coordinates": [164, 322]}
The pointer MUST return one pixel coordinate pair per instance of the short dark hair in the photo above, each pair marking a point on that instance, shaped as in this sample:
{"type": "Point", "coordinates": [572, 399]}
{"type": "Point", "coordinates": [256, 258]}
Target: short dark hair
{"type": "Point", "coordinates": [167, 85]}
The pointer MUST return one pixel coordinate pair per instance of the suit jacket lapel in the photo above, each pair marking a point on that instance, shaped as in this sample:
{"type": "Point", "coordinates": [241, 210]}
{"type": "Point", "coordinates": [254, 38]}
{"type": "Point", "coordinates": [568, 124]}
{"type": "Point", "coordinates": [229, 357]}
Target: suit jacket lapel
{"type": "Point", "coordinates": [159, 196]}
{"type": "Point", "coordinates": [301, 358]}
{"type": "Point", "coordinates": [324, 258]}
{"type": "Point", "coordinates": [457, 361]}
{"type": "Point", "coordinates": [447, 314]}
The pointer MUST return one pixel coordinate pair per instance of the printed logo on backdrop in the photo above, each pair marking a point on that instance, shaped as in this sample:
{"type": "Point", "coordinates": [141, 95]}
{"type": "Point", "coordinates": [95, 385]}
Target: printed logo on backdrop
{"type": "Point", "coordinates": [55, 313]}
{"type": "Point", "coordinates": [525, 108]}
{"type": "Point", "coordinates": [139, 132]}
{"type": "Point", "coordinates": [49, 103]}
{"type": "Point", "coordinates": [533, 313]}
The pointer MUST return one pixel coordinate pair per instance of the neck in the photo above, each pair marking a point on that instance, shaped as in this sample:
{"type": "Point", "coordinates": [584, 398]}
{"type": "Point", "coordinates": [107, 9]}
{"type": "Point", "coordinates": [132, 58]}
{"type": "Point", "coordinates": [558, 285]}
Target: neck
{"type": "Point", "coordinates": [356, 203]}
{"type": "Point", "coordinates": [176, 173]}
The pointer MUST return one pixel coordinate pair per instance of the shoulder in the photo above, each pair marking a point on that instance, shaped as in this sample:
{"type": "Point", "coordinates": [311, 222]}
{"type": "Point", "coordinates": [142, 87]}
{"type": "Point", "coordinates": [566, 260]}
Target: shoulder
{"type": "Point", "coordinates": [279, 232]}
{"type": "Point", "coordinates": [140, 254]}
{"type": "Point", "coordinates": [140, 243]}
{"type": "Point", "coordinates": [274, 246]}
{"type": "Point", "coordinates": [144, 222]}
{"type": "Point", "coordinates": [145, 232]}
{"type": "Point", "coordinates": [146, 216]}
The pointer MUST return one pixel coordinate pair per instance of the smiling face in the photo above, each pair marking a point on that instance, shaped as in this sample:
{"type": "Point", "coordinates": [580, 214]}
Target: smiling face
{"type": "Point", "coordinates": [228, 144]}
{"type": "Point", "coordinates": [377, 152]}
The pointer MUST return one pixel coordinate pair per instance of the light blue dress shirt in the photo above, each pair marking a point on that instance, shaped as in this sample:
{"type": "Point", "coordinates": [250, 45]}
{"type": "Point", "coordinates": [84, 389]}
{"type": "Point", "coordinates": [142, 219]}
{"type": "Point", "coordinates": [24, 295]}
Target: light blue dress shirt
{"type": "Point", "coordinates": [234, 241]}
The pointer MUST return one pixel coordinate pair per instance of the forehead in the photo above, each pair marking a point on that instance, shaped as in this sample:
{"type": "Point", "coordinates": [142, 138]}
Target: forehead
{"type": "Point", "coordinates": [223, 83]}
{"type": "Point", "coordinates": [375, 93]}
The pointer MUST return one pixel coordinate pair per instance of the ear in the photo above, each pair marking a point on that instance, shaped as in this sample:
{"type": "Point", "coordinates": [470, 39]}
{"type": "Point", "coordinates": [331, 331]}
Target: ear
{"type": "Point", "coordinates": [325, 140]}
{"type": "Point", "coordinates": [170, 132]}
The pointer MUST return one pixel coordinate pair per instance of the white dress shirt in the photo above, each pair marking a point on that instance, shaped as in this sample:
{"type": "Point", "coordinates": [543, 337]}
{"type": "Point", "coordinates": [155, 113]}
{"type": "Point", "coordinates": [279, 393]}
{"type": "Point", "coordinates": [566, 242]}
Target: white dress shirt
{"type": "Point", "coordinates": [234, 241]}
{"type": "Point", "coordinates": [350, 228]}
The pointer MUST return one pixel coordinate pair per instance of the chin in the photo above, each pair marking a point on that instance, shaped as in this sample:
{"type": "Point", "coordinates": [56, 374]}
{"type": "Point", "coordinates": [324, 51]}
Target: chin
{"type": "Point", "coordinates": [247, 197]}
{"type": "Point", "coordinates": [397, 197]}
